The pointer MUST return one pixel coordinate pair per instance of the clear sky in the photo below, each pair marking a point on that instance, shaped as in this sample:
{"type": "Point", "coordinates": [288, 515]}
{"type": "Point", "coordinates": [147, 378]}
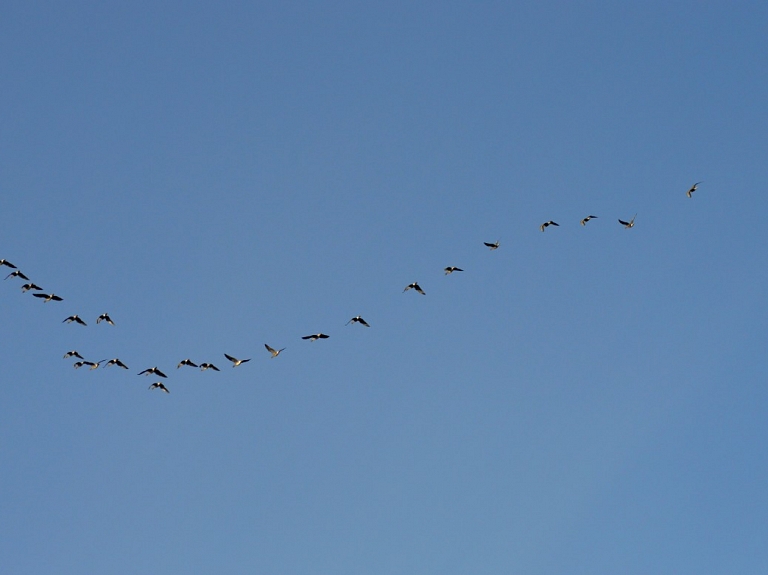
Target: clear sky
{"type": "Point", "coordinates": [590, 399]}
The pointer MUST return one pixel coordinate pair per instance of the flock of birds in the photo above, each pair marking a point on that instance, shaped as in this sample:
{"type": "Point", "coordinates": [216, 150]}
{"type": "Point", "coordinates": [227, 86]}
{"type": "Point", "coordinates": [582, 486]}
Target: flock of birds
{"type": "Point", "coordinates": [159, 385]}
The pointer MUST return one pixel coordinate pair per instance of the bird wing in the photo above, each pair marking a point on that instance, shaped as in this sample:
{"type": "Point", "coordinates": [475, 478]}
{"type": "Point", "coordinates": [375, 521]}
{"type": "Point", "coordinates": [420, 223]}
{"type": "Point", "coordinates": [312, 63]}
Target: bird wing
{"type": "Point", "coordinates": [160, 373]}
{"type": "Point", "coordinates": [365, 323]}
{"type": "Point", "coordinates": [269, 349]}
{"type": "Point", "coordinates": [230, 358]}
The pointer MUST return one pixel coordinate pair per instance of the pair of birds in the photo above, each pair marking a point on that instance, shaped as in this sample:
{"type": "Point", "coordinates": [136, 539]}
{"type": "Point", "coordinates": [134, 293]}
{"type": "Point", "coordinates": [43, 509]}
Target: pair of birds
{"type": "Point", "coordinates": [77, 319]}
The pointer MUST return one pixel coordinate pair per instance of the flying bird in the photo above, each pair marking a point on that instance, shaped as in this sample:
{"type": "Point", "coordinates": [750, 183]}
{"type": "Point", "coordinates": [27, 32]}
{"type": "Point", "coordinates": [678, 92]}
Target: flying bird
{"type": "Point", "coordinates": [7, 263]}
{"type": "Point", "coordinates": [30, 286]}
{"type": "Point", "coordinates": [585, 220]}
{"type": "Point", "coordinates": [48, 297]}
{"type": "Point", "coordinates": [74, 318]}
{"type": "Point", "coordinates": [160, 386]}
{"type": "Point", "coordinates": [630, 223]}
{"type": "Point", "coordinates": [316, 336]}
{"type": "Point", "coordinates": [154, 370]}
{"type": "Point", "coordinates": [186, 362]}
{"type": "Point", "coordinates": [358, 319]}
{"type": "Point", "coordinates": [273, 351]}
{"type": "Point", "coordinates": [451, 269]}
{"type": "Point", "coordinates": [689, 193]}
{"type": "Point", "coordinates": [116, 362]}
{"type": "Point", "coordinates": [235, 361]}
{"type": "Point", "coordinates": [105, 317]}
{"type": "Point", "coordinates": [544, 226]}
{"type": "Point", "coordinates": [494, 246]}
{"type": "Point", "coordinates": [204, 366]}
{"type": "Point", "coordinates": [73, 353]}
{"type": "Point", "coordinates": [79, 364]}
{"type": "Point", "coordinates": [17, 274]}
{"type": "Point", "coordinates": [415, 286]}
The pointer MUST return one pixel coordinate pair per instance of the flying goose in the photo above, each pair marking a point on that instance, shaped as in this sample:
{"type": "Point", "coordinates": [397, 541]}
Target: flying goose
{"type": "Point", "coordinates": [17, 274]}
{"type": "Point", "coordinates": [492, 246]}
{"type": "Point", "coordinates": [105, 317]}
{"type": "Point", "coordinates": [689, 193]}
{"type": "Point", "coordinates": [154, 370]}
{"type": "Point", "coordinates": [116, 362]}
{"type": "Point", "coordinates": [316, 336]}
{"type": "Point", "coordinates": [79, 364]}
{"type": "Point", "coordinates": [630, 223]}
{"type": "Point", "coordinates": [585, 220]}
{"type": "Point", "coordinates": [544, 226]}
{"type": "Point", "coordinates": [235, 361]}
{"type": "Point", "coordinates": [73, 353]}
{"type": "Point", "coordinates": [48, 297]}
{"type": "Point", "coordinates": [30, 286]}
{"type": "Point", "coordinates": [7, 263]}
{"type": "Point", "coordinates": [273, 351]}
{"type": "Point", "coordinates": [159, 385]}
{"type": "Point", "coordinates": [204, 366]}
{"type": "Point", "coordinates": [451, 269]}
{"type": "Point", "coordinates": [358, 319]}
{"type": "Point", "coordinates": [188, 362]}
{"type": "Point", "coordinates": [415, 286]}
{"type": "Point", "coordinates": [74, 318]}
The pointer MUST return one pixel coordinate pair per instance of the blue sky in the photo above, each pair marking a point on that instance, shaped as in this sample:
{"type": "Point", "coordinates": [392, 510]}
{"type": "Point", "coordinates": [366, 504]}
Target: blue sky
{"type": "Point", "coordinates": [584, 400]}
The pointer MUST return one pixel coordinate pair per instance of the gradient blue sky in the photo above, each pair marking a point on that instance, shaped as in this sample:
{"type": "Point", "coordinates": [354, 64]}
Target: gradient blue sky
{"type": "Point", "coordinates": [584, 400]}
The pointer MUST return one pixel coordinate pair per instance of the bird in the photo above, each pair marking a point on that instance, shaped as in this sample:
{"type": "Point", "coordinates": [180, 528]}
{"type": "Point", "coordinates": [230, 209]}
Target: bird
{"type": "Point", "coordinates": [235, 361]}
{"type": "Point", "coordinates": [30, 286]}
{"type": "Point", "coordinates": [152, 370]}
{"type": "Point", "coordinates": [630, 223]}
{"type": "Point", "coordinates": [415, 286]}
{"type": "Point", "coordinates": [73, 353]}
{"type": "Point", "coordinates": [17, 274]}
{"type": "Point", "coordinates": [7, 263]}
{"type": "Point", "coordinates": [160, 386]}
{"type": "Point", "coordinates": [689, 193]}
{"type": "Point", "coordinates": [204, 366]}
{"type": "Point", "coordinates": [585, 220]}
{"type": "Point", "coordinates": [105, 317]}
{"type": "Point", "coordinates": [79, 364]}
{"type": "Point", "coordinates": [358, 319]}
{"type": "Point", "coordinates": [316, 336]}
{"type": "Point", "coordinates": [48, 297]}
{"type": "Point", "coordinates": [493, 246]}
{"type": "Point", "coordinates": [543, 226]}
{"type": "Point", "coordinates": [116, 362]}
{"type": "Point", "coordinates": [188, 362]}
{"type": "Point", "coordinates": [451, 269]}
{"type": "Point", "coordinates": [74, 318]}
{"type": "Point", "coordinates": [273, 351]}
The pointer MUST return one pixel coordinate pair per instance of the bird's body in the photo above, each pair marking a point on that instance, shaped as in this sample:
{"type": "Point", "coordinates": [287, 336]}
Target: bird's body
{"type": "Point", "coordinates": [358, 319]}
{"type": "Point", "coordinates": [545, 225]}
{"type": "Point", "coordinates": [116, 362]}
{"type": "Point", "coordinates": [316, 336]}
{"type": "Point", "coordinates": [415, 286]}
{"type": "Point", "coordinates": [235, 361]}
{"type": "Point", "coordinates": [105, 317]}
{"type": "Point", "coordinates": [159, 385]}
{"type": "Point", "coordinates": [204, 366]}
{"type": "Point", "coordinates": [30, 286]}
{"type": "Point", "coordinates": [493, 246]}
{"type": "Point", "coordinates": [46, 297]}
{"type": "Point", "coordinates": [17, 274]}
{"type": "Point", "coordinates": [72, 353]}
{"type": "Point", "coordinates": [689, 193]}
{"type": "Point", "coordinates": [188, 362]}
{"type": "Point", "coordinates": [451, 269]}
{"type": "Point", "coordinates": [74, 318]}
{"type": "Point", "coordinates": [152, 370]}
{"type": "Point", "coordinates": [630, 223]}
{"type": "Point", "coordinates": [7, 263]}
{"type": "Point", "coordinates": [273, 351]}
{"type": "Point", "coordinates": [585, 220]}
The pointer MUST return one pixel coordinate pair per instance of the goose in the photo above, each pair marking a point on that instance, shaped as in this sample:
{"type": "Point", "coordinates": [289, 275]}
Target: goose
{"type": "Point", "coordinates": [494, 246]}
{"type": "Point", "coordinates": [116, 362]}
{"type": "Point", "coordinates": [630, 223]}
{"type": "Point", "coordinates": [188, 362]}
{"type": "Point", "coordinates": [48, 297]}
{"type": "Point", "coordinates": [585, 220]}
{"type": "Point", "coordinates": [204, 366]}
{"type": "Point", "coordinates": [7, 263]}
{"type": "Point", "coordinates": [30, 286]}
{"type": "Point", "coordinates": [72, 353]}
{"type": "Point", "coordinates": [544, 226]}
{"type": "Point", "coordinates": [105, 317]}
{"type": "Point", "coordinates": [17, 274]}
{"type": "Point", "coordinates": [358, 319]}
{"type": "Point", "coordinates": [160, 386]}
{"type": "Point", "coordinates": [415, 286]}
{"type": "Point", "coordinates": [689, 193]}
{"type": "Point", "coordinates": [74, 318]}
{"type": "Point", "coordinates": [316, 336]}
{"type": "Point", "coordinates": [273, 351]}
{"type": "Point", "coordinates": [79, 364]}
{"type": "Point", "coordinates": [235, 361]}
{"type": "Point", "coordinates": [451, 269]}
{"type": "Point", "coordinates": [154, 370]}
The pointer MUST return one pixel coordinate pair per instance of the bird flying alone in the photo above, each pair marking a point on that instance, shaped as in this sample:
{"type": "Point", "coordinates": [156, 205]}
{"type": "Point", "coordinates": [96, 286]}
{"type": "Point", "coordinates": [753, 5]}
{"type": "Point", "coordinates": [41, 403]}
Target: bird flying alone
{"type": "Point", "coordinates": [204, 366]}
{"type": "Point", "coordinates": [316, 336]}
{"type": "Point", "coordinates": [415, 286]}
{"type": "Point", "coordinates": [153, 370]}
{"type": "Point", "coordinates": [105, 317]}
{"type": "Point", "coordinates": [235, 361]}
{"type": "Point", "coordinates": [159, 385]}
{"type": "Point", "coordinates": [689, 193]}
{"type": "Point", "coordinates": [545, 225]}
{"type": "Point", "coordinates": [48, 297]}
{"type": "Point", "coordinates": [188, 362]}
{"type": "Point", "coordinates": [630, 223]}
{"type": "Point", "coordinates": [17, 274]}
{"type": "Point", "coordinates": [74, 318]}
{"type": "Point", "coordinates": [273, 351]}
{"type": "Point", "coordinates": [493, 246]}
{"type": "Point", "coordinates": [358, 319]}
{"type": "Point", "coordinates": [585, 220]}
{"type": "Point", "coordinates": [451, 269]}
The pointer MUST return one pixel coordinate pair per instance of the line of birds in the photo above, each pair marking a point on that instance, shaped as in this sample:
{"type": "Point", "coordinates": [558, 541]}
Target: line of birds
{"type": "Point", "coordinates": [82, 362]}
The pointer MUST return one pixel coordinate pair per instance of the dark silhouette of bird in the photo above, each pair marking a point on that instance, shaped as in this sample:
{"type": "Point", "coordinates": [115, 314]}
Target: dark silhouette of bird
{"type": "Point", "coordinates": [235, 361]}
{"type": "Point", "coordinates": [689, 193]}
{"type": "Point", "coordinates": [585, 220]}
{"type": "Point", "coordinates": [358, 319]}
{"type": "Point", "coordinates": [7, 263]}
{"type": "Point", "coordinates": [160, 386]}
{"type": "Point", "coordinates": [316, 336]}
{"type": "Point", "coordinates": [74, 318]}
{"type": "Point", "coordinates": [451, 269]}
{"type": "Point", "coordinates": [188, 362]}
{"type": "Point", "coordinates": [544, 226]}
{"type": "Point", "coordinates": [17, 274]}
{"type": "Point", "coordinates": [48, 297]}
{"type": "Point", "coordinates": [415, 286]}
{"type": "Point", "coordinates": [154, 370]}
{"type": "Point", "coordinates": [79, 364]}
{"type": "Point", "coordinates": [204, 366]}
{"type": "Point", "coordinates": [105, 317]}
{"type": "Point", "coordinates": [493, 246]}
{"type": "Point", "coordinates": [30, 286]}
{"type": "Point", "coordinates": [273, 351]}
{"type": "Point", "coordinates": [630, 223]}
{"type": "Point", "coordinates": [73, 353]}
{"type": "Point", "coordinates": [116, 362]}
